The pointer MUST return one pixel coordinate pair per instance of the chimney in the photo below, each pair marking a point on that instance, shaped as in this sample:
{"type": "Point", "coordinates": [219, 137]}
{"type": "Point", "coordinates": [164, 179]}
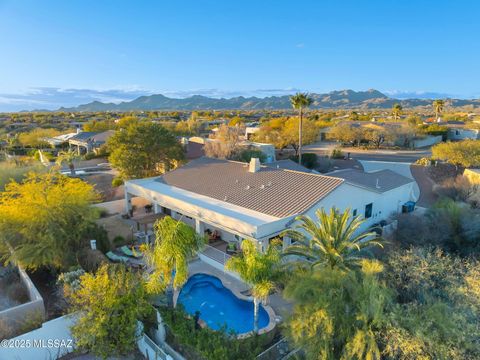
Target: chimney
{"type": "Point", "coordinates": [79, 129]}
{"type": "Point", "coordinates": [254, 165]}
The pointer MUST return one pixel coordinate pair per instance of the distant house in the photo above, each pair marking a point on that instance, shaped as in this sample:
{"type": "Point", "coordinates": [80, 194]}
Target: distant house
{"type": "Point", "coordinates": [87, 141]}
{"type": "Point", "coordinates": [458, 132]}
{"type": "Point", "coordinates": [236, 201]}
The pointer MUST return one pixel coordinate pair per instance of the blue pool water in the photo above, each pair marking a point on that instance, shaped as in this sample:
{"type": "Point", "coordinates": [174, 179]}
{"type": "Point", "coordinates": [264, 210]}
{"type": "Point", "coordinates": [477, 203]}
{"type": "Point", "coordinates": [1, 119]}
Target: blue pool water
{"type": "Point", "coordinates": [218, 306]}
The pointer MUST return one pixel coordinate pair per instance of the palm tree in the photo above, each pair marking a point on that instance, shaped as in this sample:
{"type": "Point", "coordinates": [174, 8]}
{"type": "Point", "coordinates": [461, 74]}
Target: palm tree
{"type": "Point", "coordinates": [333, 240]}
{"type": "Point", "coordinates": [258, 270]}
{"type": "Point", "coordinates": [396, 111]}
{"type": "Point", "coordinates": [68, 157]}
{"type": "Point", "coordinates": [175, 243]}
{"type": "Point", "coordinates": [438, 107]}
{"type": "Point", "coordinates": [337, 314]}
{"type": "Point", "coordinates": [300, 101]}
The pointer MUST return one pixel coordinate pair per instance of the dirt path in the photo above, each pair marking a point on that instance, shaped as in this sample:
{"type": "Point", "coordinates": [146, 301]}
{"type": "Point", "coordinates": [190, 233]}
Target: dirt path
{"type": "Point", "coordinates": [425, 183]}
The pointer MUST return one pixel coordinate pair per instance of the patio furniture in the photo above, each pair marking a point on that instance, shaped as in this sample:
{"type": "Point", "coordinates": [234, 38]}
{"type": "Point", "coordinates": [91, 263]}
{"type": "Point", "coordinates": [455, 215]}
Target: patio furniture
{"type": "Point", "coordinates": [232, 248]}
{"type": "Point", "coordinates": [213, 235]}
{"type": "Point", "coordinates": [127, 251]}
{"type": "Point", "coordinates": [116, 258]}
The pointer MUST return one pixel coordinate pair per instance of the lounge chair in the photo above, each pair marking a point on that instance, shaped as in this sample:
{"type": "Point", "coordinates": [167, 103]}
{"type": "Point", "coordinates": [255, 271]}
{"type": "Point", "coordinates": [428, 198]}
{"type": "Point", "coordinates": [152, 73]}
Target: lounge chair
{"type": "Point", "coordinates": [115, 258]}
{"type": "Point", "coordinates": [126, 250]}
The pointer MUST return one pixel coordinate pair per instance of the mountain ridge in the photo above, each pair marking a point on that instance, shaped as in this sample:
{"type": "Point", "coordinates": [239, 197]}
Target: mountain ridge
{"type": "Point", "coordinates": [337, 99]}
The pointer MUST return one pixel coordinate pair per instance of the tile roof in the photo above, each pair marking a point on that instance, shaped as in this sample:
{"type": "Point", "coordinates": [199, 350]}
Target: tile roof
{"type": "Point", "coordinates": [96, 137]}
{"type": "Point", "coordinates": [387, 179]}
{"type": "Point", "coordinates": [288, 165]}
{"type": "Point", "coordinates": [276, 192]}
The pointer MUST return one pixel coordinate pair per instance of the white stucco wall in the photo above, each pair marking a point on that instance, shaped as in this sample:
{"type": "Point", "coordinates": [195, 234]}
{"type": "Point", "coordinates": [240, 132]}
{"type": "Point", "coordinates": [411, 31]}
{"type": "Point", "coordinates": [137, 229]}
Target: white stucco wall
{"type": "Point", "coordinates": [354, 197]}
{"type": "Point", "coordinates": [463, 134]}
{"type": "Point", "coordinates": [232, 220]}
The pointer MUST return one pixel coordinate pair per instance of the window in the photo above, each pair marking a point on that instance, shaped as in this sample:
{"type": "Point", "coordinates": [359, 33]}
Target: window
{"type": "Point", "coordinates": [368, 210]}
{"type": "Point", "coordinates": [354, 213]}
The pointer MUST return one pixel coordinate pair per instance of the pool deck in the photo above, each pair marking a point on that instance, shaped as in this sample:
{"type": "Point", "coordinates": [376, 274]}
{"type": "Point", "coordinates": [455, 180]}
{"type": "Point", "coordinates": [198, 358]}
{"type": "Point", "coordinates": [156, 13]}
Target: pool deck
{"type": "Point", "coordinates": [276, 301]}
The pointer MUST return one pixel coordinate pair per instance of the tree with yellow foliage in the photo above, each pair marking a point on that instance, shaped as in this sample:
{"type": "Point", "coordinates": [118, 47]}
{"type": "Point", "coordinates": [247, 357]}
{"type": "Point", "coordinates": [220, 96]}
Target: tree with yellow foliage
{"type": "Point", "coordinates": [45, 220]}
{"type": "Point", "coordinates": [109, 304]}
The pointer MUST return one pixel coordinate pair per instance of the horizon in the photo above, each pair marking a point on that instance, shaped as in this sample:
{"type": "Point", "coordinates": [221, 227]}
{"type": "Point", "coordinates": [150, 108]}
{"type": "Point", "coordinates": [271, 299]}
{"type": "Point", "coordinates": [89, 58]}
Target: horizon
{"type": "Point", "coordinates": [73, 53]}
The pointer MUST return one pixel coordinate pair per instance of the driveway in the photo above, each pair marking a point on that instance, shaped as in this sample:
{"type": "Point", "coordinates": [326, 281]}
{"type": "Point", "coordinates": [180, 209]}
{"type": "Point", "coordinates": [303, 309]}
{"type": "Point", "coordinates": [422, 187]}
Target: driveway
{"type": "Point", "coordinates": [402, 168]}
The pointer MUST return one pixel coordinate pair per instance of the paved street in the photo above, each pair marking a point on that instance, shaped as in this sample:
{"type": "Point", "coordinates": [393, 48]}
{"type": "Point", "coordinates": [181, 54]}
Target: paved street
{"type": "Point", "coordinates": [409, 156]}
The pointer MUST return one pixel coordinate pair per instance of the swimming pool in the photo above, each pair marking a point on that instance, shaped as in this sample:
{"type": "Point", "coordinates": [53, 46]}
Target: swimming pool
{"type": "Point", "coordinates": [218, 306]}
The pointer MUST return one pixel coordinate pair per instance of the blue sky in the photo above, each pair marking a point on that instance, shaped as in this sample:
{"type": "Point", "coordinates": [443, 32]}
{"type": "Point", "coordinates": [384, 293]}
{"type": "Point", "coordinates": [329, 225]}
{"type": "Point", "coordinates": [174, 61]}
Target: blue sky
{"type": "Point", "coordinates": [55, 53]}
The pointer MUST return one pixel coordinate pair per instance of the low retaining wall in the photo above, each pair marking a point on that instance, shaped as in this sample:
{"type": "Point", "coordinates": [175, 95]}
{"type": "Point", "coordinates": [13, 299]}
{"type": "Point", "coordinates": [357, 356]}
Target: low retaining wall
{"type": "Point", "coordinates": [427, 141]}
{"type": "Point", "coordinates": [16, 317]}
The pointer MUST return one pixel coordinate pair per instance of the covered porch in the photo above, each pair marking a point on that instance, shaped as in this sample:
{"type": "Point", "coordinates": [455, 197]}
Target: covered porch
{"type": "Point", "coordinates": [225, 226]}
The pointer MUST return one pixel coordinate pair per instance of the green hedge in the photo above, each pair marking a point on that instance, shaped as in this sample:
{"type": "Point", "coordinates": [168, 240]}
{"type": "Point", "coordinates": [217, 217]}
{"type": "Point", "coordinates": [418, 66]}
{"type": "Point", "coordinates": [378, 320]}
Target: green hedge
{"type": "Point", "coordinates": [309, 160]}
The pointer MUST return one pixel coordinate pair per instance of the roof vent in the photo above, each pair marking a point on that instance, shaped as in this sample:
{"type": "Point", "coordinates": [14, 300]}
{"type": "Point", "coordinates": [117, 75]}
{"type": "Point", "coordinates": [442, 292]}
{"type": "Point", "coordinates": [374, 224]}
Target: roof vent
{"type": "Point", "coordinates": [269, 184]}
{"type": "Point", "coordinates": [247, 187]}
{"type": "Point", "coordinates": [262, 186]}
{"type": "Point", "coordinates": [236, 181]}
{"type": "Point", "coordinates": [377, 185]}
{"type": "Point", "coordinates": [254, 165]}
{"type": "Point", "coordinates": [225, 198]}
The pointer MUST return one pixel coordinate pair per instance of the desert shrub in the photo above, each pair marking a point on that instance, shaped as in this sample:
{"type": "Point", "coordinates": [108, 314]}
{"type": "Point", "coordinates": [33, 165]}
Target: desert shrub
{"type": "Point", "coordinates": [437, 308]}
{"type": "Point", "coordinates": [337, 153]}
{"type": "Point", "coordinates": [415, 230]}
{"type": "Point", "coordinates": [457, 226]}
{"type": "Point", "coordinates": [17, 291]}
{"type": "Point", "coordinates": [459, 188]}
{"type": "Point", "coordinates": [247, 154]}
{"type": "Point", "coordinates": [95, 232]}
{"type": "Point", "coordinates": [70, 279]}
{"type": "Point", "coordinates": [119, 241]}
{"type": "Point", "coordinates": [117, 181]}
{"type": "Point", "coordinates": [309, 160]}
{"type": "Point", "coordinates": [424, 161]}
{"type": "Point", "coordinates": [90, 260]}
{"type": "Point", "coordinates": [452, 226]}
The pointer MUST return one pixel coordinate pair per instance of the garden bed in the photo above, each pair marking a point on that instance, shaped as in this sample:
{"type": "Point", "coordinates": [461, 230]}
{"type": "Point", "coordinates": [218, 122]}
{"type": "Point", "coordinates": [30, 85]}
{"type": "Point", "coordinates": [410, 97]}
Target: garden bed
{"type": "Point", "coordinates": [12, 290]}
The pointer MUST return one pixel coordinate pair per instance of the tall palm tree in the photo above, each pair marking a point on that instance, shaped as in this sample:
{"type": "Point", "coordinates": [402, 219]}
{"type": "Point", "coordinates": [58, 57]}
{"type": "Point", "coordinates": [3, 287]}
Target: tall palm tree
{"type": "Point", "coordinates": [332, 240]}
{"type": "Point", "coordinates": [438, 107]}
{"type": "Point", "coordinates": [258, 270]}
{"type": "Point", "coordinates": [396, 111]}
{"type": "Point", "coordinates": [175, 243]}
{"type": "Point", "coordinates": [300, 101]}
{"type": "Point", "coordinates": [68, 157]}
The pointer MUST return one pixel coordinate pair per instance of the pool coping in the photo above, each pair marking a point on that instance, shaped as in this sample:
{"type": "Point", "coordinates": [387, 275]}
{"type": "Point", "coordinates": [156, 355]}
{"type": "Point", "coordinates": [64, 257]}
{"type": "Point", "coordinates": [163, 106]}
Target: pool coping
{"type": "Point", "coordinates": [271, 313]}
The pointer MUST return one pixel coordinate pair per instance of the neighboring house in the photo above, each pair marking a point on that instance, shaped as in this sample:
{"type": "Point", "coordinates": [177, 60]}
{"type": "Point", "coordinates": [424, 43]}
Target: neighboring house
{"type": "Point", "coordinates": [250, 132]}
{"type": "Point", "coordinates": [60, 139]}
{"type": "Point", "coordinates": [462, 133]}
{"type": "Point", "coordinates": [87, 141]}
{"type": "Point", "coordinates": [195, 147]}
{"type": "Point", "coordinates": [239, 200]}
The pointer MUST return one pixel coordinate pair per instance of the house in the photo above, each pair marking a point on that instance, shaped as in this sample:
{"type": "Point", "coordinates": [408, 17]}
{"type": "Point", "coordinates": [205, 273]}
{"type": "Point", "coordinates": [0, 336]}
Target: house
{"type": "Point", "coordinates": [458, 132]}
{"type": "Point", "coordinates": [88, 141]}
{"type": "Point", "coordinates": [239, 200]}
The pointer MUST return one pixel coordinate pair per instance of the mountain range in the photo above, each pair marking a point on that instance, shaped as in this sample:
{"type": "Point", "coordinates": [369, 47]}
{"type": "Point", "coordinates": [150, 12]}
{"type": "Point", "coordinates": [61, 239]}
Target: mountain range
{"type": "Point", "coordinates": [343, 99]}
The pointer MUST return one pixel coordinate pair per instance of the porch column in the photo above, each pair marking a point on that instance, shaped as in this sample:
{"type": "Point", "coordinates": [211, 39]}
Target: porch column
{"type": "Point", "coordinates": [199, 227]}
{"type": "Point", "coordinates": [128, 201]}
{"type": "Point", "coordinates": [286, 242]}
